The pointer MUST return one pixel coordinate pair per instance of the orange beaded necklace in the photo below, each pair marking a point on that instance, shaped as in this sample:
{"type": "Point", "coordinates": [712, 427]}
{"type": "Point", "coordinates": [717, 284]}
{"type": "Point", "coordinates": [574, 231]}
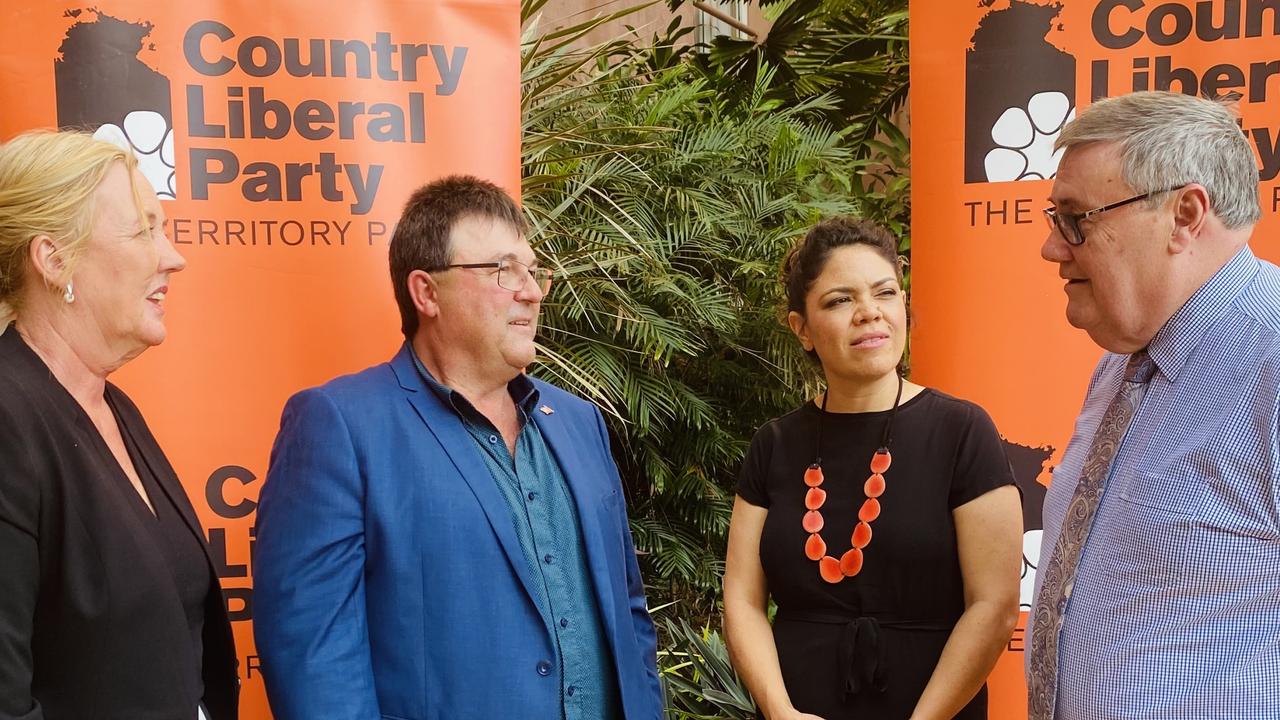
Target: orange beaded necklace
{"type": "Point", "coordinates": [850, 563]}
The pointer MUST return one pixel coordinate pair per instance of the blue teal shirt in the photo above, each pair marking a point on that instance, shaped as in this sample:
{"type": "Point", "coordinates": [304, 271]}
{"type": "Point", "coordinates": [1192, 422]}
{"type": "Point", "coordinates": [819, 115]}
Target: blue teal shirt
{"type": "Point", "coordinates": [550, 536]}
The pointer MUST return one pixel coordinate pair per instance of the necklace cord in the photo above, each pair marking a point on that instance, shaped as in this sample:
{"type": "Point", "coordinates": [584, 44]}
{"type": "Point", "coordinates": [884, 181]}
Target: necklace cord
{"type": "Point", "coordinates": [885, 438]}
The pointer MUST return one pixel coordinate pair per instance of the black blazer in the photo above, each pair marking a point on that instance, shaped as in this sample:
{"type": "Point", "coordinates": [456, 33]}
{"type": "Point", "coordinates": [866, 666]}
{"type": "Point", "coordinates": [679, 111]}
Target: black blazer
{"type": "Point", "coordinates": [91, 624]}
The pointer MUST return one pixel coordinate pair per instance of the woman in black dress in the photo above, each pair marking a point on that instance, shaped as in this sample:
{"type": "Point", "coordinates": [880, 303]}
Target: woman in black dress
{"type": "Point", "coordinates": [882, 517]}
{"type": "Point", "coordinates": [109, 605]}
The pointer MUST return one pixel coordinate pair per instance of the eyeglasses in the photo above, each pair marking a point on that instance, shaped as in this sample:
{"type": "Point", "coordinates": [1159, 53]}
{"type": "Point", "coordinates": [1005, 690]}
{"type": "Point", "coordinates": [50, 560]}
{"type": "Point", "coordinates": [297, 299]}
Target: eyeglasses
{"type": "Point", "coordinates": [1068, 224]}
{"type": "Point", "coordinates": [512, 274]}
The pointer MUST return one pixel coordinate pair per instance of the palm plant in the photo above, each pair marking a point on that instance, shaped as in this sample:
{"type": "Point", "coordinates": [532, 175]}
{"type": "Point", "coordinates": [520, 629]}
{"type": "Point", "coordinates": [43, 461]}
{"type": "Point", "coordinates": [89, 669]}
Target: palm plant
{"type": "Point", "coordinates": [667, 209]}
{"type": "Point", "coordinates": [853, 50]}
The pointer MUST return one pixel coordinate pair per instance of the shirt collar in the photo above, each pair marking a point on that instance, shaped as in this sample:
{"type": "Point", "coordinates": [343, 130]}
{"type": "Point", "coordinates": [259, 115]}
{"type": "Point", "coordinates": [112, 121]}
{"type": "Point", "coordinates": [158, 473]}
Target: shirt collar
{"type": "Point", "coordinates": [522, 390]}
{"type": "Point", "coordinates": [1183, 332]}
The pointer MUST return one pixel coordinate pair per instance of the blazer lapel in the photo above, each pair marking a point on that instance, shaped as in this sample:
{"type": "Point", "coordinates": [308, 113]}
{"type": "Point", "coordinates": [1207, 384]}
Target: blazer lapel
{"type": "Point", "coordinates": [444, 423]}
{"type": "Point", "coordinates": [149, 558]}
{"type": "Point", "coordinates": [161, 469]}
{"type": "Point", "coordinates": [585, 488]}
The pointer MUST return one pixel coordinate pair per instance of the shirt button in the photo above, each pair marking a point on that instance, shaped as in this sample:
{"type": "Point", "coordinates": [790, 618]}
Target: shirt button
{"type": "Point", "coordinates": [532, 496]}
{"type": "Point", "coordinates": [493, 438]}
{"type": "Point", "coordinates": [564, 622]}
{"type": "Point", "coordinates": [546, 559]}
{"type": "Point", "coordinates": [569, 692]}
{"type": "Point", "coordinates": [544, 668]}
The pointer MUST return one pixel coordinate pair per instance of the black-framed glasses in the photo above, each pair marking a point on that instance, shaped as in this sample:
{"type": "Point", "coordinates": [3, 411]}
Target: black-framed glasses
{"type": "Point", "coordinates": [513, 275]}
{"type": "Point", "coordinates": [1068, 224]}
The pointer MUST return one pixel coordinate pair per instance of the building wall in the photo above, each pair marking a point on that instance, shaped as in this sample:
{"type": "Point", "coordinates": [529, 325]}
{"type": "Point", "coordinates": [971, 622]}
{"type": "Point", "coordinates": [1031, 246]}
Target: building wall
{"type": "Point", "coordinates": [647, 22]}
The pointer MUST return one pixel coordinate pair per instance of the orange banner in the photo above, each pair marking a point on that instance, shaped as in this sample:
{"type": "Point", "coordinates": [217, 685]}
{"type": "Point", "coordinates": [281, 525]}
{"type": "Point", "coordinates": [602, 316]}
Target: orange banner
{"type": "Point", "coordinates": [283, 138]}
{"type": "Point", "coordinates": [992, 83]}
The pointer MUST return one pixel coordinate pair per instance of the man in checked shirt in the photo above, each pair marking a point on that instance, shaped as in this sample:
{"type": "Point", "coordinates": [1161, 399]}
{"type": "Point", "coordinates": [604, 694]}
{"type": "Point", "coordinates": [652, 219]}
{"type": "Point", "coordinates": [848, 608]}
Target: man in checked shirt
{"type": "Point", "coordinates": [1158, 588]}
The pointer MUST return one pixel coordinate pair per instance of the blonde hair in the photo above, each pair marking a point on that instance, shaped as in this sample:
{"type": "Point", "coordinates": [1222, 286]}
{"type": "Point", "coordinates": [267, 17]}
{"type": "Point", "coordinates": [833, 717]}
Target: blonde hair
{"type": "Point", "coordinates": [47, 182]}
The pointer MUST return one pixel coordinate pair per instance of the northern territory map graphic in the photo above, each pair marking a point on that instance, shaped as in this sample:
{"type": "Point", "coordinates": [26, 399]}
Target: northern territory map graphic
{"type": "Point", "coordinates": [1028, 463]}
{"type": "Point", "coordinates": [1019, 92]}
{"type": "Point", "coordinates": [103, 86]}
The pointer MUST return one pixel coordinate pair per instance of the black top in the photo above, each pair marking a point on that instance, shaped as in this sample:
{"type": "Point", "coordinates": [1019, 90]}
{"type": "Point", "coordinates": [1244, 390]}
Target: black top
{"type": "Point", "coordinates": [866, 647]}
{"type": "Point", "coordinates": [181, 549]}
{"type": "Point", "coordinates": [93, 623]}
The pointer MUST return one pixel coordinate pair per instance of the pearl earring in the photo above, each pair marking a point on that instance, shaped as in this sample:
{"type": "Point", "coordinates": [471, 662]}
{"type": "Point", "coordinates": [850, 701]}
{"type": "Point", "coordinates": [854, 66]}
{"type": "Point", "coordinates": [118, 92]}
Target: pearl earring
{"type": "Point", "coordinates": [69, 295]}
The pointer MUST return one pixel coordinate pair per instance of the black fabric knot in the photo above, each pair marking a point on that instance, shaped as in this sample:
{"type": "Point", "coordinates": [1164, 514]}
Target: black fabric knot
{"type": "Point", "coordinates": [859, 657]}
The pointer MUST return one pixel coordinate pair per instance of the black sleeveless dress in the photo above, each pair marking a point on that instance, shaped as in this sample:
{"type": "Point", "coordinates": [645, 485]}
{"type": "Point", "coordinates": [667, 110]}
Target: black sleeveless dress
{"type": "Point", "coordinates": [865, 648]}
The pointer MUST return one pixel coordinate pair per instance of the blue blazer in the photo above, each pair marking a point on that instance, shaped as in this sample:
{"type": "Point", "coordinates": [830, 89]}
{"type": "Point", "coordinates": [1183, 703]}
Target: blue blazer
{"type": "Point", "coordinates": [388, 580]}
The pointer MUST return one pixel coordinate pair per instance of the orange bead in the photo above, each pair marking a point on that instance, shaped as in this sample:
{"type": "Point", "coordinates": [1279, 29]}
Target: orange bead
{"type": "Point", "coordinates": [861, 535]}
{"type": "Point", "coordinates": [812, 521]}
{"type": "Point", "coordinates": [851, 563]}
{"type": "Point", "coordinates": [814, 498]}
{"type": "Point", "coordinates": [813, 476]}
{"type": "Point", "coordinates": [874, 486]}
{"type": "Point", "coordinates": [869, 511]}
{"type": "Point", "coordinates": [814, 547]}
{"type": "Point", "coordinates": [881, 461]}
{"type": "Point", "coordinates": [829, 569]}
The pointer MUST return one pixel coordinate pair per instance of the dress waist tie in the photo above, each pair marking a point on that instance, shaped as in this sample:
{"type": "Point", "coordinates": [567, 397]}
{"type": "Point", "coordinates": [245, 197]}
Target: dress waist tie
{"type": "Point", "coordinates": [859, 652]}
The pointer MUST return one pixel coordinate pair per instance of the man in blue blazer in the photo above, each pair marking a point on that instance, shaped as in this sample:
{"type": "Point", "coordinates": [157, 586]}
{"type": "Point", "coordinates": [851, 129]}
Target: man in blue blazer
{"type": "Point", "coordinates": [441, 537]}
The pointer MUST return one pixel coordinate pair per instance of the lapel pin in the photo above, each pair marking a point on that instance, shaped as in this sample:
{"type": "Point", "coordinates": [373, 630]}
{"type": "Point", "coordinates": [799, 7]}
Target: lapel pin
{"type": "Point", "coordinates": [546, 410]}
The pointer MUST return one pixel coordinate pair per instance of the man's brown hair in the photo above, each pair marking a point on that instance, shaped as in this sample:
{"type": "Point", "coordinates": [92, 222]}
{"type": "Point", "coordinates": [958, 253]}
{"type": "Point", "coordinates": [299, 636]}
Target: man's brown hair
{"type": "Point", "coordinates": [421, 239]}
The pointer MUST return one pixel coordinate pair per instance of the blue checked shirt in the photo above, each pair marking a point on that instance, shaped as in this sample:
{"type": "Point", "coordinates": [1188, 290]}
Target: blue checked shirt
{"type": "Point", "coordinates": [1175, 611]}
{"type": "Point", "coordinates": [550, 537]}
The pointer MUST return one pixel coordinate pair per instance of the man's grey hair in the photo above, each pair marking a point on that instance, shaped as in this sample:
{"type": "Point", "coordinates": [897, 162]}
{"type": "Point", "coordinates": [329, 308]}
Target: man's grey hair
{"type": "Point", "coordinates": [1169, 139]}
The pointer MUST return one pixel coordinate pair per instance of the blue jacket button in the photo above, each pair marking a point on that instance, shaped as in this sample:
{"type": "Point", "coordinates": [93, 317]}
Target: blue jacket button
{"type": "Point", "coordinates": [544, 668]}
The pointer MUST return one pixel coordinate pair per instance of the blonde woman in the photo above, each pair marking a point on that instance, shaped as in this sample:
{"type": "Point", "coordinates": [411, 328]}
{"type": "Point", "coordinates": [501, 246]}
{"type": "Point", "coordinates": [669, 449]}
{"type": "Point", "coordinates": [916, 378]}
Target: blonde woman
{"type": "Point", "coordinates": [109, 605]}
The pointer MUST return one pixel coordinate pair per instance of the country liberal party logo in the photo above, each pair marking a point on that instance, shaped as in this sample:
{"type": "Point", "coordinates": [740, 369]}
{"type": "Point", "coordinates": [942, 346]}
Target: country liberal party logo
{"type": "Point", "coordinates": [102, 85]}
{"type": "Point", "coordinates": [1019, 92]}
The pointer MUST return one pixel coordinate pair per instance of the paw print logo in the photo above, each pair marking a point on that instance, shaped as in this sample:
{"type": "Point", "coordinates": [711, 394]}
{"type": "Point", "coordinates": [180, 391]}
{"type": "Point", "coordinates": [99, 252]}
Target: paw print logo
{"type": "Point", "coordinates": [1024, 139]}
{"type": "Point", "coordinates": [1030, 556]}
{"type": "Point", "coordinates": [150, 138]}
